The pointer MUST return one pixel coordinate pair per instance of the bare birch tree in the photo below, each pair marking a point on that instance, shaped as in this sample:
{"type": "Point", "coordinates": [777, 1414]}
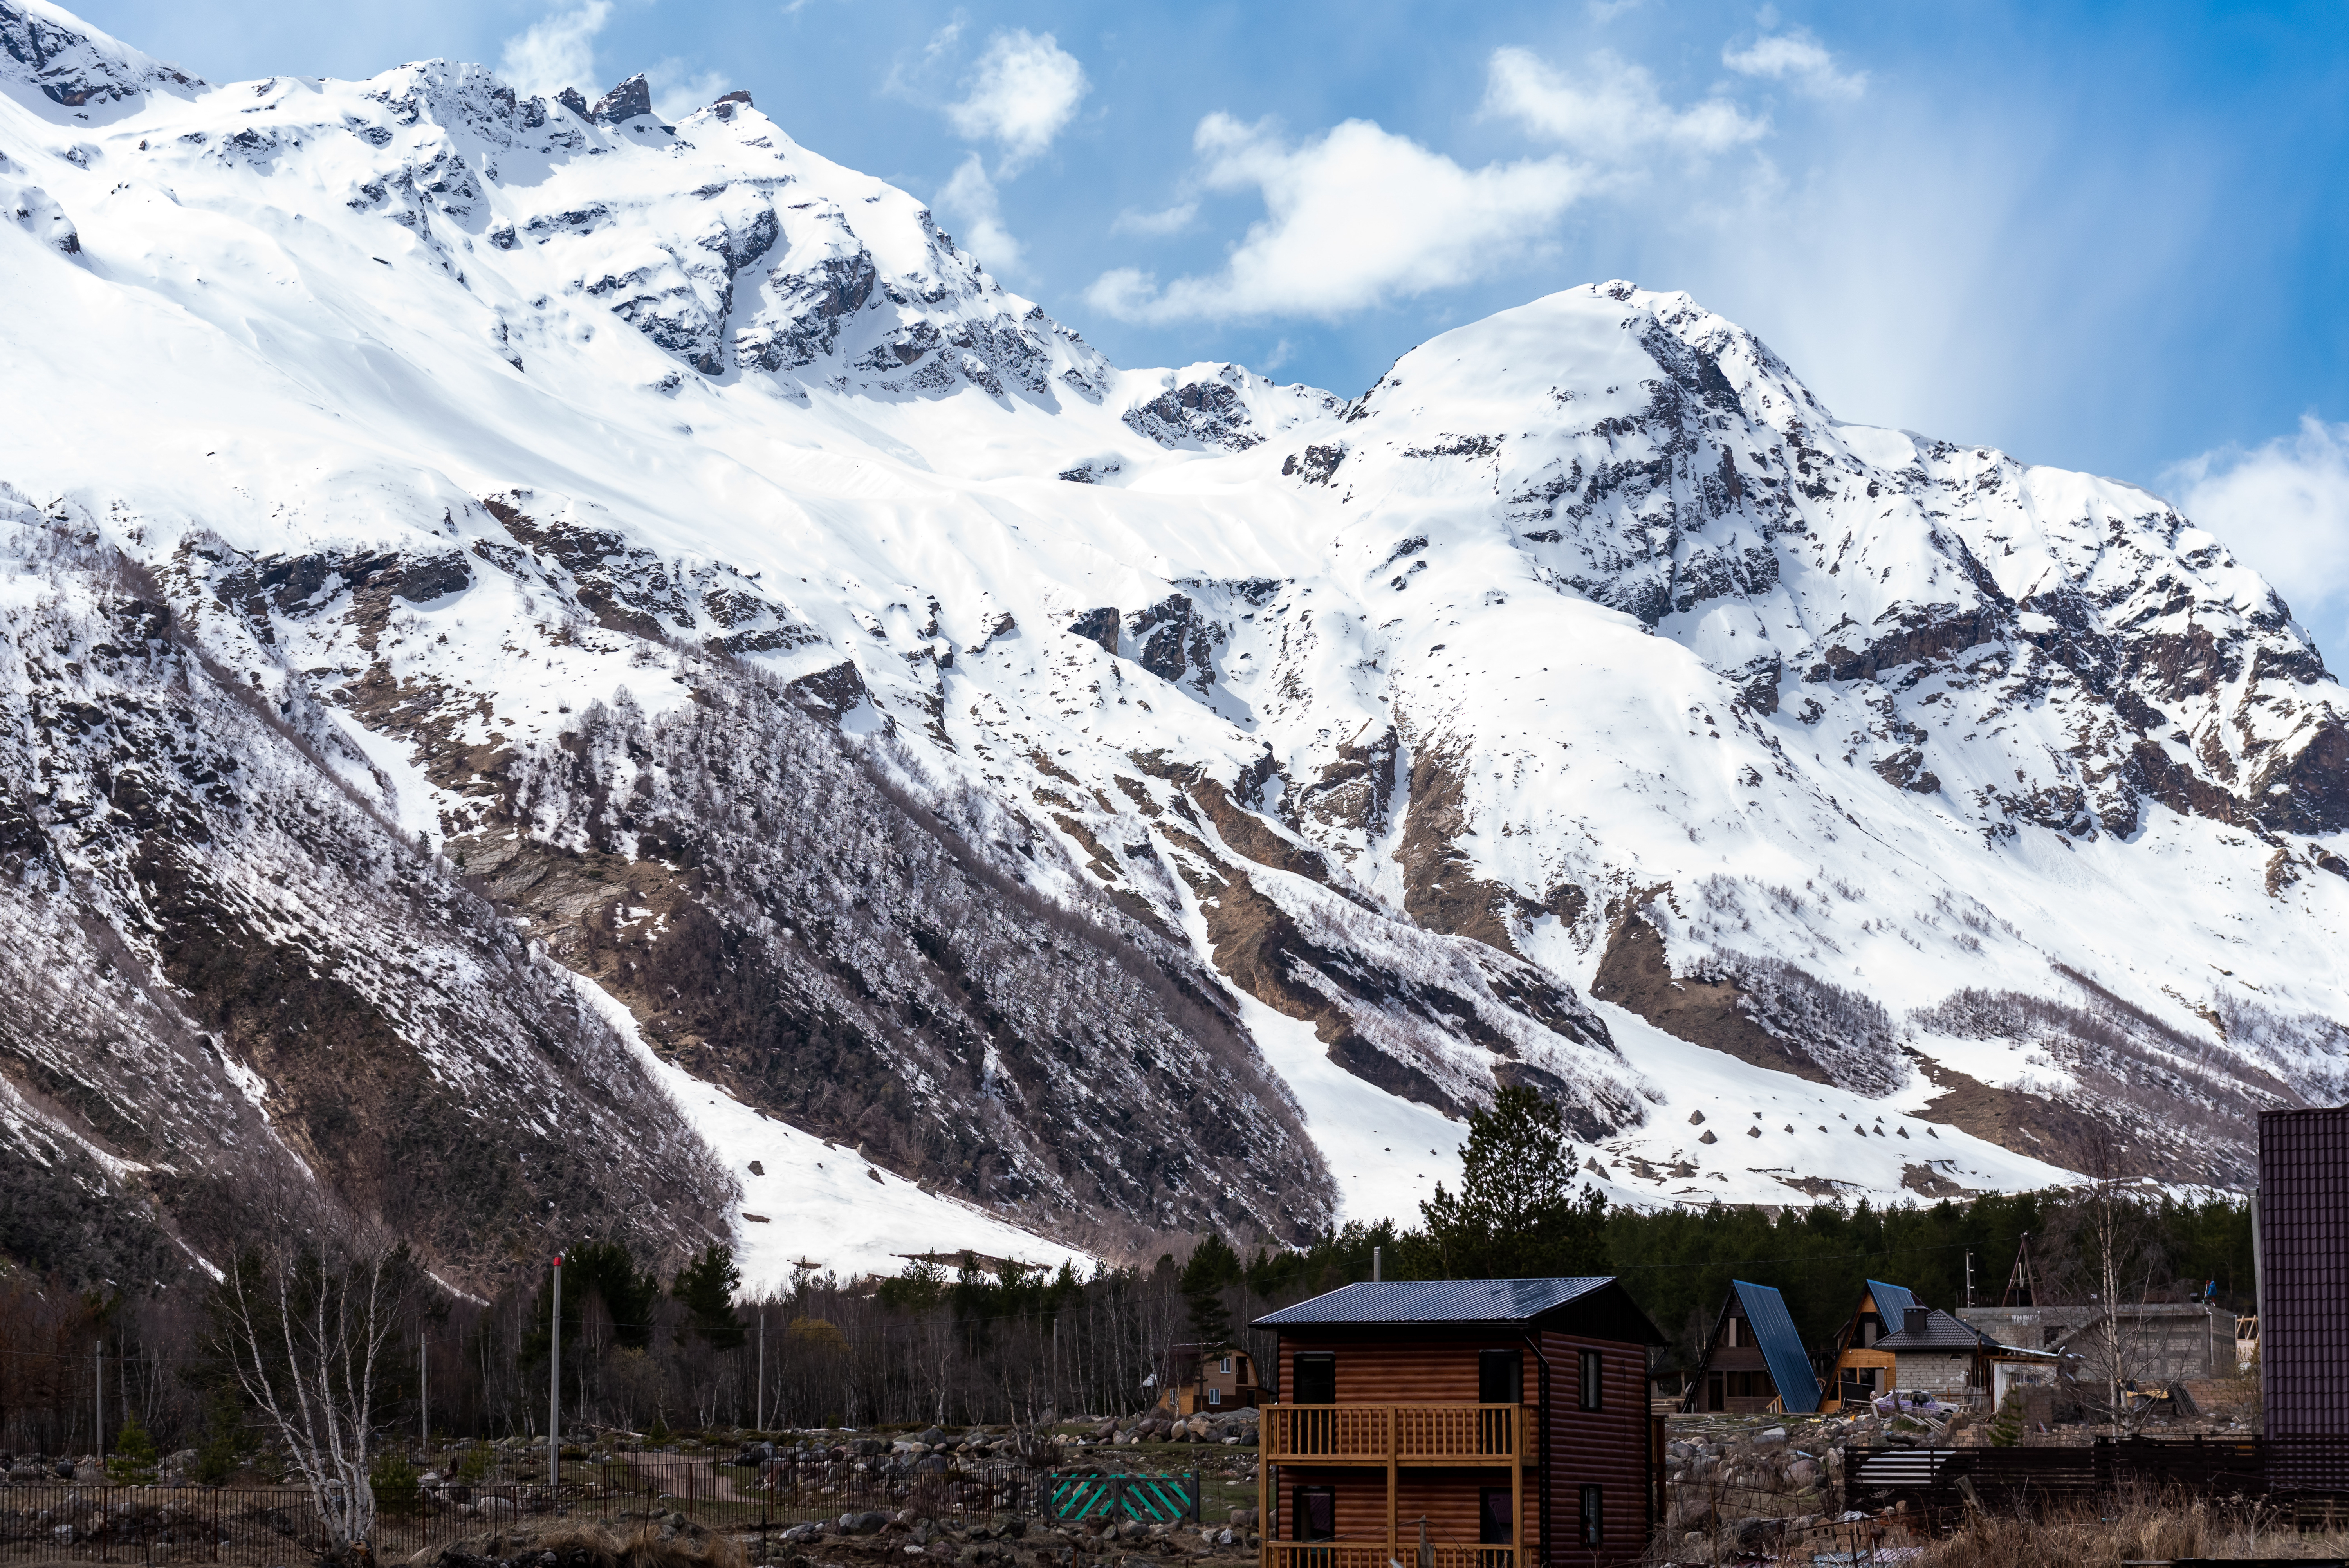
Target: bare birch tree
{"type": "Point", "coordinates": [306, 1321]}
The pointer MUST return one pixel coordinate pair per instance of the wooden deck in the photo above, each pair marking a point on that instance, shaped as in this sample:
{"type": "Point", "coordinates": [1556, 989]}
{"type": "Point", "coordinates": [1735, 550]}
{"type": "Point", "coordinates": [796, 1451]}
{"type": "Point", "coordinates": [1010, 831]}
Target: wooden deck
{"type": "Point", "coordinates": [1392, 1435]}
{"type": "Point", "coordinates": [1374, 1555]}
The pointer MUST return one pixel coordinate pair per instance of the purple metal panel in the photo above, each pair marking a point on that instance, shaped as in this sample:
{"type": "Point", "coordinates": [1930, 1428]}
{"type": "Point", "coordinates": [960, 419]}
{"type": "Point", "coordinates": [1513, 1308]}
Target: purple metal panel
{"type": "Point", "coordinates": [2304, 1310]}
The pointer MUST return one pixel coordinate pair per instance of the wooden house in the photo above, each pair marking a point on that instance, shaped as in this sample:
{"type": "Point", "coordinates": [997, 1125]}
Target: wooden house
{"type": "Point", "coordinates": [1861, 1371]}
{"type": "Point", "coordinates": [1207, 1377]}
{"type": "Point", "coordinates": [1753, 1360]}
{"type": "Point", "coordinates": [1504, 1422]}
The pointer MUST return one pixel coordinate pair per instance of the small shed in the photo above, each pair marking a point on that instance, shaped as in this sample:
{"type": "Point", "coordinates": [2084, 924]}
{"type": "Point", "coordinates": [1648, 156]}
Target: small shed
{"type": "Point", "coordinates": [1754, 1359]}
{"type": "Point", "coordinates": [1933, 1353]}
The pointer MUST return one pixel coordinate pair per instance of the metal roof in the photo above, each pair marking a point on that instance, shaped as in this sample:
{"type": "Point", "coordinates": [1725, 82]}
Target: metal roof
{"type": "Point", "coordinates": [1942, 1332]}
{"type": "Point", "coordinates": [1780, 1344]}
{"type": "Point", "coordinates": [1436, 1301]}
{"type": "Point", "coordinates": [1893, 1301]}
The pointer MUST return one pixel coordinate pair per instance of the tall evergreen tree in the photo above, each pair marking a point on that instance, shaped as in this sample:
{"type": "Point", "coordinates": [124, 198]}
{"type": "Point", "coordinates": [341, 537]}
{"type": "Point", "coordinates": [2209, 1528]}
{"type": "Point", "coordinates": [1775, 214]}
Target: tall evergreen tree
{"type": "Point", "coordinates": [1517, 1215]}
{"type": "Point", "coordinates": [1213, 1266]}
{"type": "Point", "coordinates": [705, 1286]}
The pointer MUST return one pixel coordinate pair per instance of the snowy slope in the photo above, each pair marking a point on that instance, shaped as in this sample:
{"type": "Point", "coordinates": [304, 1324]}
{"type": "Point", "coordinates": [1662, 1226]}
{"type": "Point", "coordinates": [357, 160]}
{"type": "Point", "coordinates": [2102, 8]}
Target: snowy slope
{"type": "Point", "coordinates": [1586, 654]}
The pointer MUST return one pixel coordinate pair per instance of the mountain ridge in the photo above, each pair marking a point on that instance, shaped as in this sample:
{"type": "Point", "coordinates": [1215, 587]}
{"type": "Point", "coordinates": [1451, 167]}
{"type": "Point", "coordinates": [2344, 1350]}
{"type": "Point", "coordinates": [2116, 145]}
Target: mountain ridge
{"type": "Point", "coordinates": [1581, 706]}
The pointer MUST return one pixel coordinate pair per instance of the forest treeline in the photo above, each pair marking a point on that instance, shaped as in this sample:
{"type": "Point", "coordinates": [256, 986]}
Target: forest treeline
{"type": "Point", "coordinates": [971, 1340]}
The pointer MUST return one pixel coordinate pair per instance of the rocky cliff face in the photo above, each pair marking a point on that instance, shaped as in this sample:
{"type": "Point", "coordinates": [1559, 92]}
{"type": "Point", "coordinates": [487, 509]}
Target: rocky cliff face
{"type": "Point", "coordinates": [469, 546]}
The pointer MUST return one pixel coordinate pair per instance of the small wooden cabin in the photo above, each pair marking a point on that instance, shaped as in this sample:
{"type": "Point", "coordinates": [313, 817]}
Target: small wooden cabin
{"type": "Point", "coordinates": [1861, 1371]}
{"type": "Point", "coordinates": [1209, 1378]}
{"type": "Point", "coordinates": [1503, 1421]}
{"type": "Point", "coordinates": [1754, 1359]}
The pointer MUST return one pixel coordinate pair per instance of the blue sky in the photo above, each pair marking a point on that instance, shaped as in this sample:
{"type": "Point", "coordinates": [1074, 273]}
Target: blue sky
{"type": "Point", "coordinates": [2107, 237]}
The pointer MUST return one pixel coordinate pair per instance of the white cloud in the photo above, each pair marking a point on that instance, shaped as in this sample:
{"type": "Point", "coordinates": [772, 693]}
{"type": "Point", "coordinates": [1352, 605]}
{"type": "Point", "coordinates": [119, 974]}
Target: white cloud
{"type": "Point", "coordinates": [1168, 221]}
{"type": "Point", "coordinates": [1604, 11]}
{"type": "Point", "coordinates": [970, 203]}
{"type": "Point", "coordinates": [1024, 91]}
{"type": "Point", "coordinates": [2284, 509]}
{"type": "Point", "coordinates": [556, 51]}
{"type": "Point", "coordinates": [1797, 59]}
{"type": "Point", "coordinates": [1613, 112]}
{"type": "Point", "coordinates": [679, 91]}
{"type": "Point", "coordinates": [1353, 218]}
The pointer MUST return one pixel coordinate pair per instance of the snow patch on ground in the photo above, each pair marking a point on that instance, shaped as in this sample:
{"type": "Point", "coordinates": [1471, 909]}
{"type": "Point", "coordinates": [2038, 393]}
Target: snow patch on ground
{"type": "Point", "coordinates": [820, 1204]}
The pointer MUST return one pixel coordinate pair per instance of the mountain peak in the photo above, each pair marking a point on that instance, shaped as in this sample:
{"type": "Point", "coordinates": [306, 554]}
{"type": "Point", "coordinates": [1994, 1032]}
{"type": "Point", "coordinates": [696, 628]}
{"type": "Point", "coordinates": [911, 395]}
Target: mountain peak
{"type": "Point", "coordinates": [632, 97]}
{"type": "Point", "coordinates": [75, 68]}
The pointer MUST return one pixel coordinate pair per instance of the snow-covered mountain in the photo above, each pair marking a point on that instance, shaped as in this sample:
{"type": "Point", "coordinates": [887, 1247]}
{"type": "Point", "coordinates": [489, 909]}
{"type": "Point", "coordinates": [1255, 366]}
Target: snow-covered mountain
{"type": "Point", "coordinates": [630, 635]}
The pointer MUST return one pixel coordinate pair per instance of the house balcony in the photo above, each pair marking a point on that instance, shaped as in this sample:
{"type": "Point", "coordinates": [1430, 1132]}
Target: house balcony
{"type": "Point", "coordinates": [1392, 1435]}
{"type": "Point", "coordinates": [1377, 1554]}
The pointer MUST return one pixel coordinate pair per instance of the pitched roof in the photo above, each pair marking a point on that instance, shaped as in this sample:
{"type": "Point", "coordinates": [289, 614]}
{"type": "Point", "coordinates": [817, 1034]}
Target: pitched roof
{"type": "Point", "coordinates": [1436, 1301]}
{"type": "Point", "coordinates": [1893, 1301]}
{"type": "Point", "coordinates": [1942, 1332]}
{"type": "Point", "coordinates": [1780, 1344]}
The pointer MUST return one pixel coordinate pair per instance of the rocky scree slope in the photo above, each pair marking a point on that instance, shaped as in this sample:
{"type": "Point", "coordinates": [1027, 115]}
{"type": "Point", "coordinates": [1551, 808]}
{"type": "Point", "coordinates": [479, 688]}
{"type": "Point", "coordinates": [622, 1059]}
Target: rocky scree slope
{"type": "Point", "coordinates": [1144, 799]}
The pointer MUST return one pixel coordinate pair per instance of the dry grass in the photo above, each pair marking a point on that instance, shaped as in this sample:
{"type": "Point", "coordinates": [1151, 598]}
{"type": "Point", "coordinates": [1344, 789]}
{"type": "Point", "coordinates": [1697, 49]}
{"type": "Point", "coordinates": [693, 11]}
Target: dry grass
{"type": "Point", "coordinates": [2130, 1528]}
{"type": "Point", "coordinates": [594, 1546]}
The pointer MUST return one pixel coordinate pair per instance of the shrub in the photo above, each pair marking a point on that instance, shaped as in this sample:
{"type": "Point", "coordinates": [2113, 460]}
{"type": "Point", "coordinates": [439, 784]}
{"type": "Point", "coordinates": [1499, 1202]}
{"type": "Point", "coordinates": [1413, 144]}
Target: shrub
{"type": "Point", "coordinates": [133, 1463]}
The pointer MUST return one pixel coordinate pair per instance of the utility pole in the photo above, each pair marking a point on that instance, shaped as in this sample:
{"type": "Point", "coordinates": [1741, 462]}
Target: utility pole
{"type": "Point", "coordinates": [98, 1406]}
{"type": "Point", "coordinates": [423, 1395]}
{"type": "Point", "coordinates": [761, 1400]}
{"type": "Point", "coordinates": [1969, 1276]}
{"type": "Point", "coordinates": [554, 1389]}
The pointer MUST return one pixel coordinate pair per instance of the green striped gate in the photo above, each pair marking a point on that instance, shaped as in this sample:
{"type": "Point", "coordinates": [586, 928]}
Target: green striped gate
{"type": "Point", "coordinates": [1155, 1500]}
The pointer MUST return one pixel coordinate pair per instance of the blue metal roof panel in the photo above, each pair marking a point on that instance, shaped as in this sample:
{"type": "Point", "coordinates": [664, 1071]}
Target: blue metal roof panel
{"type": "Point", "coordinates": [1435, 1301]}
{"type": "Point", "coordinates": [1780, 1344]}
{"type": "Point", "coordinates": [1892, 1304]}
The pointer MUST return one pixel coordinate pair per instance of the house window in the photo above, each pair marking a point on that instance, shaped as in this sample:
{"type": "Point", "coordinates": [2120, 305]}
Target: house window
{"type": "Point", "coordinates": [1500, 1377]}
{"type": "Point", "coordinates": [1594, 1516]}
{"type": "Point", "coordinates": [1316, 1378]}
{"type": "Point", "coordinates": [1496, 1523]}
{"type": "Point", "coordinates": [1224, 1367]}
{"type": "Point", "coordinates": [1729, 1333]}
{"type": "Point", "coordinates": [1214, 1396]}
{"type": "Point", "coordinates": [1317, 1513]}
{"type": "Point", "coordinates": [1593, 1381]}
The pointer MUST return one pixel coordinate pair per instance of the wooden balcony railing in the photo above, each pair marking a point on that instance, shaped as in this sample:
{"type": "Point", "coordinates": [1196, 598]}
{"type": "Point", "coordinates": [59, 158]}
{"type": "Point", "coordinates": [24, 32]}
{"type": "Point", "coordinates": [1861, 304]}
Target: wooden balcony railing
{"type": "Point", "coordinates": [1374, 1555]}
{"type": "Point", "coordinates": [1391, 1434]}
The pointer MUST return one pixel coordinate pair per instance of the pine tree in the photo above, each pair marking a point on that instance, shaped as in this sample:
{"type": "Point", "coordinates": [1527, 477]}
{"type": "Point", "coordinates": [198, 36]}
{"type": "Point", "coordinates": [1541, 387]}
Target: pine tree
{"type": "Point", "coordinates": [1213, 1266]}
{"type": "Point", "coordinates": [1517, 1215]}
{"type": "Point", "coordinates": [705, 1286]}
{"type": "Point", "coordinates": [133, 1461]}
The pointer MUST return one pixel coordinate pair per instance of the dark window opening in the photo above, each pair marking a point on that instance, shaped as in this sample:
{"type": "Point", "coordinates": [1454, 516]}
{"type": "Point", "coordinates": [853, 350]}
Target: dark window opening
{"type": "Point", "coordinates": [1593, 1380]}
{"type": "Point", "coordinates": [1316, 1378]}
{"type": "Point", "coordinates": [1594, 1516]}
{"type": "Point", "coordinates": [1498, 1520]}
{"type": "Point", "coordinates": [1712, 1392]}
{"type": "Point", "coordinates": [1317, 1513]}
{"type": "Point", "coordinates": [1500, 1377]}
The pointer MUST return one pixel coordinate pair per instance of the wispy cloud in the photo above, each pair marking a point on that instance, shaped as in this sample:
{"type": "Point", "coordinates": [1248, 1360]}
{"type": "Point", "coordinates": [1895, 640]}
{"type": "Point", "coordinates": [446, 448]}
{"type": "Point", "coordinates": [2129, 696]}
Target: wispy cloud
{"type": "Point", "coordinates": [1357, 216]}
{"type": "Point", "coordinates": [1611, 110]}
{"type": "Point", "coordinates": [1170, 219]}
{"type": "Point", "coordinates": [678, 89]}
{"type": "Point", "coordinates": [1799, 60]}
{"type": "Point", "coordinates": [2283, 508]}
{"type": "Point", "coordinates": [556, 51]}
{"type": "Point", "coordinates": [1022, 93]}
{"type": "Point", "coordinates": [969, 202]}
{"type": "Point", "coordinates": [1354, 217]}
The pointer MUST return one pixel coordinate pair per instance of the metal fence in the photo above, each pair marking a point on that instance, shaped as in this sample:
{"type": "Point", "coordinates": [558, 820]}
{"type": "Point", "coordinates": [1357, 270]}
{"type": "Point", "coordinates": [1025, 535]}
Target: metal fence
{"type": "Point", "coordinates": [266, 1527]}
{"type": "Point", "coordinates": [2271, 1468]}
{"type": "Point", "coordinates": [1075, 1496]}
